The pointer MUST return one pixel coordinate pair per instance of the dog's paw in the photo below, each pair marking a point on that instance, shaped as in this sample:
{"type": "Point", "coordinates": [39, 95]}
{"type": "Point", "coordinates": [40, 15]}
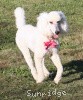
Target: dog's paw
{"type": "Point", "coordinates": [46, 75]}
{"type": "Point", "coordinates": [40, 79]}
{"type": "Point", "coordinates": [56, 80]}
{"type": "Point", "coordinates": [39, 82]}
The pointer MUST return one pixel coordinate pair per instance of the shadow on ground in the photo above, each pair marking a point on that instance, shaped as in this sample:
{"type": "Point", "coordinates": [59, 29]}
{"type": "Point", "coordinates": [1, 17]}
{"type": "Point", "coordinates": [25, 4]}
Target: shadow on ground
{"type": "Point", "coordinates": [74, 66]}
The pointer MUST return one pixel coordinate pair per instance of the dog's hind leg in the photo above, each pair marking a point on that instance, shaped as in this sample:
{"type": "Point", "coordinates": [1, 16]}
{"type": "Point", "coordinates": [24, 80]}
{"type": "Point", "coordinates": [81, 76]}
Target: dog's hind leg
{"type": "Point", "coordinates": [46, 72]}
{"type": "Point", "coordinates": [39, 67]}
{"type": "Point", "coordinates": [26, 53]}
{"type": "Point", "coordinates": [56, 60]}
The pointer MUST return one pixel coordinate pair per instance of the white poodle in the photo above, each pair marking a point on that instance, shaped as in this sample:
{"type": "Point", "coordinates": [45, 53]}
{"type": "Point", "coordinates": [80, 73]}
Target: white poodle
{"type": "Point", "coordinates": [41, 39]}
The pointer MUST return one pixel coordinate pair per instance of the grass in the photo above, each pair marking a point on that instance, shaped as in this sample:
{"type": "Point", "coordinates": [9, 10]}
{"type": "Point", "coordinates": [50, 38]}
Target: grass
{"type": "Point", "coordinates": [15, 77]}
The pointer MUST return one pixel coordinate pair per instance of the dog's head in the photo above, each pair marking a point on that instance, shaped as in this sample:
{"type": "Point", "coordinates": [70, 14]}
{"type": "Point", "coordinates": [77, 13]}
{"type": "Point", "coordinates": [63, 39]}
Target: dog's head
{"type": "Point", "coordinates": [52, 23]}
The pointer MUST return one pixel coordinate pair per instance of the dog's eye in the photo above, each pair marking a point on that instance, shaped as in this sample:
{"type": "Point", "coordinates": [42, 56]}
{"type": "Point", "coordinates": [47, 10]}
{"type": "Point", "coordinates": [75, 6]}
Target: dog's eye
{"type": "Point", "coordinates": [51, 22]}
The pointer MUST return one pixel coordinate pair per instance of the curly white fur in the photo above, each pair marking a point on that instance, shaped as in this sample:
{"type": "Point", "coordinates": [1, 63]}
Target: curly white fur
{"type": "Point", "coordinates": [32, 38]}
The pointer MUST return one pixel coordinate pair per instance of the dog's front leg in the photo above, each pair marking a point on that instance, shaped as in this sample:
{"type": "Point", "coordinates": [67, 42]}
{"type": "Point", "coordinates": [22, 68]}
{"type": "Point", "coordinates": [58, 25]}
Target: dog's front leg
{"type": "Point", "coordinates": [46, 72]}
{"type": "Point", "coordinates": [57, 62]}
{"type": "Point", "coordinates": [39, 68]}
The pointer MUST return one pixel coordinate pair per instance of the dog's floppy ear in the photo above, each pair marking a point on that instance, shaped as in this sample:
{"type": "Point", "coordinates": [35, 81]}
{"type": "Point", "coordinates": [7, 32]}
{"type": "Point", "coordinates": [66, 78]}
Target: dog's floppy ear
{"type": "Point", "coordinates": [63, 24]}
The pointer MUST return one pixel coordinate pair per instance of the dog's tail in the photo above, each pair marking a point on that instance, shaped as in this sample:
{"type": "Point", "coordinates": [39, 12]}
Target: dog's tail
{"type": "Point", "coordinates": [20, 17]}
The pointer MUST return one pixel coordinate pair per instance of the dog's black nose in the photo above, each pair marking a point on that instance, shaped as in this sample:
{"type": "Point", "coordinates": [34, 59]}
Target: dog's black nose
{"type": "Point", "coordinates": [57, 32]}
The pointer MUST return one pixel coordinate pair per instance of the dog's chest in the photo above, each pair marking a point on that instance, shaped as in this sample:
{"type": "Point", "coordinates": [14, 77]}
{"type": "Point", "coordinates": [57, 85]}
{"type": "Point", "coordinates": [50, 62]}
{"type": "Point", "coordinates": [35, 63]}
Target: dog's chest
{"type": "Point", "coordinates": [46, 44]}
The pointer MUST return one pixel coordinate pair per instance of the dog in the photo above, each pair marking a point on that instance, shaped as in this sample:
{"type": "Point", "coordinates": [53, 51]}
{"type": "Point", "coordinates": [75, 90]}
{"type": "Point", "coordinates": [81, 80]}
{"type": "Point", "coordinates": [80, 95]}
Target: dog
{"type": "Point", "coordinates": [41, 39]}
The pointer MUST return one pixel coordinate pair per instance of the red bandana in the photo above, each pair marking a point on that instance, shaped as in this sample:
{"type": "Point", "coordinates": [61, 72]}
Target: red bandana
{"type": "Point", "coordinates": [51, 43]}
